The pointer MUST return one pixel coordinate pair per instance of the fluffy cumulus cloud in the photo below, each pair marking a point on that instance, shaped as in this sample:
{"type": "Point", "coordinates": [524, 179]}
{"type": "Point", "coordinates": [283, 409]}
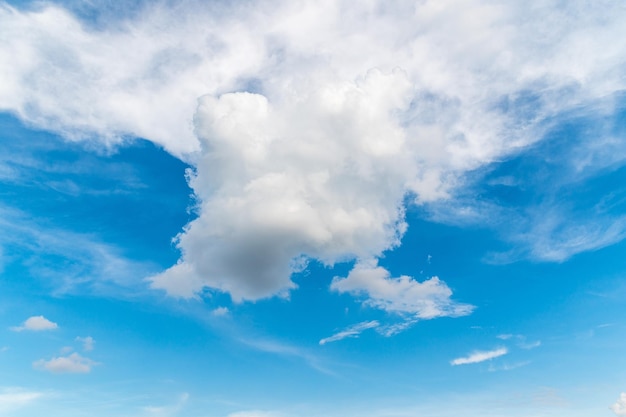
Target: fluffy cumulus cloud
{"type": "Point", "coordinates": [36, 324]}
{"type": "Point", "coordinates": [619, 408]}
{"type": "Point", "coordinates": [403, 295]}
{"type": "Point", "coordinates": [480, 356]}
{"type": "Point", "coordinates": [316, 118]}
{"type": "Point", "coordinates": [73, 364]}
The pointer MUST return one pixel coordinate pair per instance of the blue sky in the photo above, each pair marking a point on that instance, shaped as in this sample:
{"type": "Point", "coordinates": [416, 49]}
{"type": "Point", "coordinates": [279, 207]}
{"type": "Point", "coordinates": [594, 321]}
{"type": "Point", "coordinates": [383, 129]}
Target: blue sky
{"type": "Point", "coordinates": [303, 209]}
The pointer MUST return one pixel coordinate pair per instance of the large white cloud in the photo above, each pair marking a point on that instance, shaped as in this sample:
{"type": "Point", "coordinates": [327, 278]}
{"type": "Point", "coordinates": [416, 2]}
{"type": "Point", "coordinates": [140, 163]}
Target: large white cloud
{"type": "Point", "coordinates": [317, 118]}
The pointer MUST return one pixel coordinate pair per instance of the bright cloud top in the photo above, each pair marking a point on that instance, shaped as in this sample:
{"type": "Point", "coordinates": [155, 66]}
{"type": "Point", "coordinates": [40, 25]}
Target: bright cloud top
{"type": "Point", "coordinates": [403, 295]}
{"type": "Point", "coordinates": [36, 324]}
{"type": "Point", "coordinates": [619, 408]}
{"type": "Point", "coordinates": [480, 356]}
{"type": "Point", "coordinates": [73, 364]}
{"type": "Point", "coordinates": [317, 119]}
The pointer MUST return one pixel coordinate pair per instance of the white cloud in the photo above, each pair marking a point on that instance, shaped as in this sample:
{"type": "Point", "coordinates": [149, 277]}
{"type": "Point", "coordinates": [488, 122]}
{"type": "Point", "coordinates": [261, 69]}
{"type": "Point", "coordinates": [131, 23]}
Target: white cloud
{"type": "Point", "coordinates": [88, 342]}
{"type": "Point", "coordinates": [221, 311]}
{"type": "Point", "coordinates": [480, 356]}
{"type": "Point", "coordinates": [36, 324]}
{"type": "Point", "coordinates": [505, 336]}
{"type": "Point", "coordinates": [74, 364]}
{"type": "Point", "coordinates": [14, 398]}
{"type": "Point", "coordinates": [352, 331]}
{"type": "Point", "coordinates": [619, 408]}
{"type": "Point", "coordinates": [402, 295]}
{"type": "Point", "coordinates": [389, 330]}
{"type": "Point", "coordinates": [318, 117]}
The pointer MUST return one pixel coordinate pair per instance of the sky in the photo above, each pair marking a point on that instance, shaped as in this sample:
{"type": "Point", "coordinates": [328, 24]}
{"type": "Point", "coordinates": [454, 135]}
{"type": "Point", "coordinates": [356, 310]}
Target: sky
{"type": "Point", "coordinates": [312, 208]}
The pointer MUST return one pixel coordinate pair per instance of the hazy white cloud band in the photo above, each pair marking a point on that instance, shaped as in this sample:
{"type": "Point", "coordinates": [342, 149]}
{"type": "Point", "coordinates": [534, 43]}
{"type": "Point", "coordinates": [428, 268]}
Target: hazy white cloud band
{"type": "Point", "coordinates": [316, 118]}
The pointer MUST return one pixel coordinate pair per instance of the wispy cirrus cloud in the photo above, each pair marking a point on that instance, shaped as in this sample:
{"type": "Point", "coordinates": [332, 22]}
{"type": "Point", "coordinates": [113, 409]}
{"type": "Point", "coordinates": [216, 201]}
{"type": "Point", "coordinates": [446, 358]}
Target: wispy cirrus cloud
{"type": "Point", "coordinates": [285, 349]}
{"type": "Point", "coordinates": [520, 340]}
{"type": "Point", "coordinates": [352, 331]}
{"type": "Point", "coordinates": [479, 356]}
{"type": "Point", "coordinates": [12, 398]}
{"type": "Point", "coordinates": [90, 264]}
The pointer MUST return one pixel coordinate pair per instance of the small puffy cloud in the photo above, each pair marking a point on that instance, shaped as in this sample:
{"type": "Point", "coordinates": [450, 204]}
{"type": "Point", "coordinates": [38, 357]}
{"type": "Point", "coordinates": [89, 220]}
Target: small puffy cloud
{"type": "Point", "coordinates": [88, 342]}
{"type": "Point", "coordinates": [619, 408]}
{"type": "Point", "coordinates": [220, 312]}
{"type": "Point", "coordinates": [36, 323]}
{"type": "Point", "coordinates": [402, 295]}
{"type": "Point", "coordinates": [73, 364]}
{"type": "Point", "coordinates": [480, 356]}
{"type": "Point", "coordinates": [352, 331]}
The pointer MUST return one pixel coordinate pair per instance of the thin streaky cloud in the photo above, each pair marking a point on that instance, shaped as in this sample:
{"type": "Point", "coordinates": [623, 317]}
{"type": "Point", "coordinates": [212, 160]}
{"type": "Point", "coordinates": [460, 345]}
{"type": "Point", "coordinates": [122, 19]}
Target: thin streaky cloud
{"type": "Point", "coordinates": [352, 331]}
{"type": "Point", "coordinates": [479, 356]}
